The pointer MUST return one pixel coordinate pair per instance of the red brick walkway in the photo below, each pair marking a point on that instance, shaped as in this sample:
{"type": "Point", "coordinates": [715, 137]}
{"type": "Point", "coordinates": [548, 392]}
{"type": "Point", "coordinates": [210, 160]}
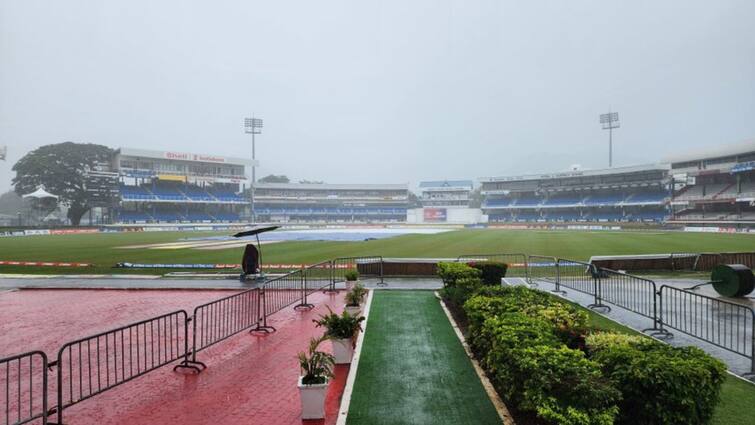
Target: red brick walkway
{"type": "Point", "coordinates": [249, 380]}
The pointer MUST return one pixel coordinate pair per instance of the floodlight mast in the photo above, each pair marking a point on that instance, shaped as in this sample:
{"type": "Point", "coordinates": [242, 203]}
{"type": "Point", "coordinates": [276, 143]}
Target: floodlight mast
{"type": "Point", "coordinates": [253, 126]}
{"type": "Point", "coordinates": [609, 122]}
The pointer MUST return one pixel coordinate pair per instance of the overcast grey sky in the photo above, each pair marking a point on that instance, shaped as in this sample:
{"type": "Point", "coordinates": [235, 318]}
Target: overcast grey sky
{"type": "Point", "coordinates": [382, 91]}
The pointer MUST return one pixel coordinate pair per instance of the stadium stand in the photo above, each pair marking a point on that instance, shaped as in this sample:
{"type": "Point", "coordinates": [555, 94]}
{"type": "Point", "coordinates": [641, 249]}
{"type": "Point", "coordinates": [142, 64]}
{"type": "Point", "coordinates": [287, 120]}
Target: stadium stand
{"type": "Point", "coordinates": [638, 193]}
{"type": "Point", "coordinates": [176, 187]}
{"type": "Point", "coordinates": [714, 187]}
{"type": "Point", "coordinates": [445, 193]}
{"type": "Point", "coordinates": [340, 203]}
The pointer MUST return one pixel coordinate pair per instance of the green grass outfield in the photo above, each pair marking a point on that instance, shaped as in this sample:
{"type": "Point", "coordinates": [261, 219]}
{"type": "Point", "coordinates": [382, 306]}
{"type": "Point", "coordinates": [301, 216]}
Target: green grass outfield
{"type": "Point", "coordinates": [102, 249]}
{"type": "Point", "coordinates": [413, 369]}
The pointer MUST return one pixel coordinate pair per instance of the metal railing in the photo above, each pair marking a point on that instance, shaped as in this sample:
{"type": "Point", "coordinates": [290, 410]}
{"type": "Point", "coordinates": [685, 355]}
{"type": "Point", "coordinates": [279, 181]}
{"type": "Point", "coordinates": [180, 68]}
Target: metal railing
{"type": "Point", "coordinates": [517, 263]}
{"type": "Point", "coordinates": [541, 267]}
{"type": "Point", "coordinates": [724, 324]}
{"type": "Point", "coordinates": [218, 320]}
{"type": "Point", "coordinates": [581, 277]}
{"type": "Point", "coordinates": [632, 293]}
{"type": "Point", "coordinates": [368, 266]}
{"type": "Point", "coordinates": [95, 364]}
{"type": "Point", "coordinates": [23, 395]}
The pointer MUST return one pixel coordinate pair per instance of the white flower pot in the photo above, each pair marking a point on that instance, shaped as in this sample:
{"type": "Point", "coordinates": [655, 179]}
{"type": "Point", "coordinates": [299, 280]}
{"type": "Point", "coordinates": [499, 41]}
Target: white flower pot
{"type": "Point", "coordinates": [354, 310]}
{"type": "Point", "coordinates": [312, 400]}
{"type": "Point", "coordinates": [350, 284]}
{"type": "Point", "coordinates": [343, 350]}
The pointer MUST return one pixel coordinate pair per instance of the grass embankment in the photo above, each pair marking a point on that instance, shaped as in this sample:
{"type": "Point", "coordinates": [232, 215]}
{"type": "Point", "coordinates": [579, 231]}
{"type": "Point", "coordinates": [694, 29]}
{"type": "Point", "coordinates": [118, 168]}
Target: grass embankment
{"type": "Point", "coordinates": [103, 250]}
{"type": "Point", "coordinates": [413, 369]}
{"type": "Point", "coordinates": [737, 405]}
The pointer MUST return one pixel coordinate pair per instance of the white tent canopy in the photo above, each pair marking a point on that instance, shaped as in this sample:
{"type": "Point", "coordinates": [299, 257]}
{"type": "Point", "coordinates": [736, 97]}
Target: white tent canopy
{"type": "Point", "coordinates": [40, 193]}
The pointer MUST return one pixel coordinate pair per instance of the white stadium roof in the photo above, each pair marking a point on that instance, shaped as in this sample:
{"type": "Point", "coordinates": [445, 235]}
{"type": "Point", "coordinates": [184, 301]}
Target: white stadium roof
{"type": "Point", "coordinates": [316, 186]}
{"type": "Point", "coordinates": [580, 173]}
{"type": "Point", "coordinates": [185, 156]}
{"type": "Point", "coordinates": [721, 151]}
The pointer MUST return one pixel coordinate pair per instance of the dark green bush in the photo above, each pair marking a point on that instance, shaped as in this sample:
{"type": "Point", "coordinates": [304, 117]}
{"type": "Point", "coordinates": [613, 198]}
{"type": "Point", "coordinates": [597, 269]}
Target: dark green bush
{"type": "Point", "coordinates": [450, 273]}
{"type": "Point", "coordinates": [568, 322]}
{"type": "Point", "coordinates": [492, 271]}
{"type": "Point", "coordinates": [534, 348]}
{"type": "Point", "coordinates": [534, 371]}
{"type": "Point", "coordinates": [660, 384]}
{"type": "Point", "coordinates": [458, 293]}
{"type": "Point", "coordinates": [517, 335]}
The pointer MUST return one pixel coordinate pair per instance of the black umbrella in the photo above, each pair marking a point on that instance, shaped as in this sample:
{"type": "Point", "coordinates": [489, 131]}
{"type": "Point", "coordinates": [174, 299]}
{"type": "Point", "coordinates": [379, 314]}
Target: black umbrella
{"type": "Point", "coordinates": [255, 230]}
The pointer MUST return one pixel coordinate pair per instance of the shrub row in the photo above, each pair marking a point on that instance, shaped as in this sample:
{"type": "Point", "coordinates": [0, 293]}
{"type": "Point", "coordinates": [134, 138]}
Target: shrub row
{"type": "Point", "coordinates": [461, 280]}
{"type": "Point", "coordinates": [543, 358]}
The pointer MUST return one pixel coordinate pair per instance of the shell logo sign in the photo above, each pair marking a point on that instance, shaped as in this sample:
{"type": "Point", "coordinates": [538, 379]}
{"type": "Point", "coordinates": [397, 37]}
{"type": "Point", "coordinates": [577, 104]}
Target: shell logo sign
{"type": "Point", "coordinates": [177, 155]}
{"type": "Point", "coordinates": [182, 156]}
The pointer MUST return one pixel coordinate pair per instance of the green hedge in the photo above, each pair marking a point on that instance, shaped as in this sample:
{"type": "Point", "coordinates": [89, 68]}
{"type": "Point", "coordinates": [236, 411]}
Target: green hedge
{"type": "Point", "coordinates": [492, 271]}
{"type": "Point", "coordinates": [660, 384]}
{"type": "Point", "coordinates": [544, 359]}
{"type": "Point", "coordinates": [450, 273]}
{"type": "Point", "coordinates": [460, 281]}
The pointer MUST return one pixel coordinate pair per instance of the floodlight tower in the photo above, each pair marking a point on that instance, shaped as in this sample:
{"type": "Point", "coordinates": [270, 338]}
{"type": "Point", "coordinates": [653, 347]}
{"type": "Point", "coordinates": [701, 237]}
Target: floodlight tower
{"type": "Point", "coordinates": [610, 121]}
{"type": "Point", "coordinates": [253, 126]}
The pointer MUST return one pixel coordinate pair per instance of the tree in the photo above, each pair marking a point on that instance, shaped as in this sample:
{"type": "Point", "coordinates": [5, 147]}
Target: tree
{"type": "Point", "coordinates": [61, 169]}
{"type": "Point", "coordinates": [10, 203]}
{"type": "Point", "coordinates": [413, 200]}
{"type": "Point", "coordinates": [272, 178]}
{"type": "Point", "coordinates": [311, 182]}
{"type": "Point", "coordinates": [475, 198]}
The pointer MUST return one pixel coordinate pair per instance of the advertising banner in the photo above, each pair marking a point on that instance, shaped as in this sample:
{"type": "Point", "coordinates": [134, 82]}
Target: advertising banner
{"type": "Point", "coordinates": [434, 214]}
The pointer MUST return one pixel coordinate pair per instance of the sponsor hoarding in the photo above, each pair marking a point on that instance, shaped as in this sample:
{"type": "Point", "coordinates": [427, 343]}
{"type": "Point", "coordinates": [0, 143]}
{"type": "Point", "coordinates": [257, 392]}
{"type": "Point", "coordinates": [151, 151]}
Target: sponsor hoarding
{"type": "Point", "coordinates": [434, 214]}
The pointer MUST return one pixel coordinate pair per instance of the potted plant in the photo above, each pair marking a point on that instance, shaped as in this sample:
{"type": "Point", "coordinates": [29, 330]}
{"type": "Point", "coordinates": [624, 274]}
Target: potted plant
{"type": "Point", "coordinates": [354, 299]}
{"type": "Point", "coordinates": [342, 331]}
{"type": "Point", "coordinates": [317, 369]}
{"type": "Point", "coordinates": [351, 276]}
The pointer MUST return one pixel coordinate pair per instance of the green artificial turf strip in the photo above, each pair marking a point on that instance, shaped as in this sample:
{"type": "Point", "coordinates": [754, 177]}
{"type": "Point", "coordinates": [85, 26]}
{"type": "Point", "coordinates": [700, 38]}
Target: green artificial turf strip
{"type": "Point", "coordinates": [413, 369]}
{"type": "Point", "coordinates": [102, 249]}
{"type": "Point", "coordinates": [737, 405]}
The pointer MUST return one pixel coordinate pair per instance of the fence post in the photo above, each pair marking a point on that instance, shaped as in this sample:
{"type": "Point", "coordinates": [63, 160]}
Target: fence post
{"type": "Point", "coordinates": [658, 331]}
{"type": "Point", "coordinates": [262, 313]}
{"type": "Point", "coordinates": [193, 363]}
{"type": "Point", "coordinates": [597, 277]}
{"type": "Point", "coordinates": [332, 266]}
{"type": "Point", "coordinates": [59, 407]}
{"type": "Point", "coordinates": [303, 283]}
{"type": "Point", "coordinates": [45, 413]}
{"type": "Point", "coordinates": [558, 289]}
{"type": "Point", "coordinates": [382, 281]}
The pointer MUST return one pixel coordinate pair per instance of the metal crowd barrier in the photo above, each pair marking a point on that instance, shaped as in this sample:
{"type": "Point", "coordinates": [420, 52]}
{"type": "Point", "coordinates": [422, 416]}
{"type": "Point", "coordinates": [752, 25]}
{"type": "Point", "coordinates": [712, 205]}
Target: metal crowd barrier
{"type": "Point", "coordinates": [725, 324]}
{"type": "Point", "coordinates": [541, 267]}
{"type": "Point", "coordinates": [632, 293]}
{"type": "Point", "coordinates": [316, 277]}
{"type": "Point", "coordinates": [517, 263]}
{"type": "Point", "coordinates": [23, 398]}
{"type": "Point", "coordinates": [581, 277]}
{"type": "Point", "coordinates": [95, 364]}
{"type": "Point", "coordinates": [368, 266]}
{"type": "Point", "coordinates": [218, 320]}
